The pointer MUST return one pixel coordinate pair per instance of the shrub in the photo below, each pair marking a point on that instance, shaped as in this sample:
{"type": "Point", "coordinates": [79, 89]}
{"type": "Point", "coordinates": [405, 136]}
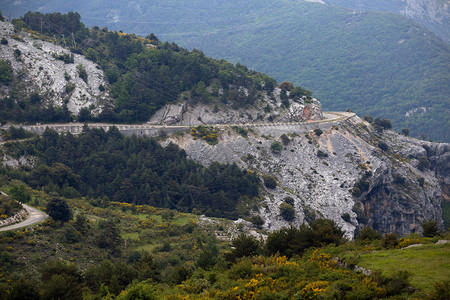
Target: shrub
{"type": "Point", "coordinates": [430, 228]}
{"type": "Point", "coordinates": [269, 182]}
{"type": "Point", "coordinates": [257, 221]}
{"type": "Point", "coordinates": [287, 212]}
{"type": "Point", "coordinates": [285, 139]}
{"type": "Point", "coordinates": [6, 73]}
{"type": "Point", "coordinates": [321, 154]}
{"type": "Point", "coordinates": [4, 41]}
{"type": "Point", "coordinates": [82, 72]}
{"type": "Point", "coordinates": [346, 217]}
{"type": "Point", "coordinates": [405, 131]}
{"type": "Point", "coordinates": [441, 290]}
{"type": "Point", "coordinates": [368, 118]}
{"type": "Point", "coordinates": [383, 146]}
{"type": "Point", "coordinates": [58, 210]}
{"type": "Point", "coordinates": [318, 131]}
{"type": "Point", "coordinates": [289, 200]}
{"type": "Point", "coordinates": [390, 241]}
{"type": "Point", "coordinates": [424, 163]}
{"type": "Point", "coordinates": [243, 245]}
{"type": "Point", "coordinates": [276, 147]}
{"type": "Point", "coordinates": [368, 234]}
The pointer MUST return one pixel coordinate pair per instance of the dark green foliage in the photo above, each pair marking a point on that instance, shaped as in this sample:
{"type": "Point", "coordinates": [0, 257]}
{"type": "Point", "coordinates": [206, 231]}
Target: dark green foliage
{"type": "Point", "coordinates": [390, 240]}
{"type": "Point", "coordinates": [368, 118]}
{"type": "Point", "coordinates": [58, 209]}
{"type": "Point", "coordinates": [346, 217]}
{"type": "Point", "coordinates": [18, 133]}
{"type": "Point", "coordinates": [405, 131]}
{"type": "Point", "coordinates": [285, 139]}
{"type": "Point", "coordinates": [424, 163]}
{"type": "Point", "coordinates": [242, 131]}
{"type": "Point", "coordinates": [287, 211]}
{"type": "Point", "coordinates": [116, 276]}
{"type": "Point", "coordinates": [276, 147]}
{"type": "Point", "coordinates": [399, 179]}
{"type": "Point", "coordinates": [23, 289]}
{"type": "Point", "coordinates": [20, 193]}
{"type": "Point", "coordinates": [257, 221]}
{"type": "Point", "coordinates": [8, 206]}
{"type": "Point", "coordinates": [382, 124]}
{"type": "Point", "coordinates": [61, 280]}
{"type": "Point", "coordinates": [441, 290]}
{"type": "Point", "coordinates": [430, 228]}
{"type": "Point", "coordinates": [109, 236]}
{"type": "Point", "coordinates": [383, 146]}
{"type": "Point", "coordinates": [243, 245]}
{"type": "Point", "coordinates": [321, 154]}
{"type": "Point", "coordinates": [269, 182]}
{"type": "Point", "coordinates": [289, 200]}
{"type": "Point", "coordinates": [82, 72]}
{"type": "Point", "coordinates": [368, 234]}
{"type": "Point", "coordinates": [4, 41]}
{"type": "Point", "coordinates": [318, 131]}
{"type": "Point", "coordinates": [6, 73]}
{"type": "Point", "coordinates": [139, 171]}
{"type": "Point", "coordinates": [291, 241]}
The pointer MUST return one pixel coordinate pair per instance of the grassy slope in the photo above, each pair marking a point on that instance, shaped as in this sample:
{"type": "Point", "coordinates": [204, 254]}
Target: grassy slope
{"type": "Point", "coordinates": [427, 264]}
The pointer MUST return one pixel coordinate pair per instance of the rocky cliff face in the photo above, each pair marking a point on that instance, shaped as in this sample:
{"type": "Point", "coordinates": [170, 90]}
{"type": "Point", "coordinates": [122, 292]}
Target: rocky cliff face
{"type": "Point", "coordinates": [52, 71]}
{"type": "Point", "coordinates": [336, 169]}
{"type": "Point", "coordinates": [268, 108]}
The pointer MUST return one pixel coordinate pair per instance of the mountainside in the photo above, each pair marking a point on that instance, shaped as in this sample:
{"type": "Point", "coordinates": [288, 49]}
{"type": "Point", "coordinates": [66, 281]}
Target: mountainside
{"type": "Point", "coordinates": [51, 73]}
{"type": "Point", "coordinates": [375, 63]}
{"type": "Point", "coordinates": [333, 165]}
{"type": "Point", "coordinates": [338, 172]}
{"type": "Point", "coordinates": [433, 14]}
{"type": "Point", "coordinates": [125, 78]}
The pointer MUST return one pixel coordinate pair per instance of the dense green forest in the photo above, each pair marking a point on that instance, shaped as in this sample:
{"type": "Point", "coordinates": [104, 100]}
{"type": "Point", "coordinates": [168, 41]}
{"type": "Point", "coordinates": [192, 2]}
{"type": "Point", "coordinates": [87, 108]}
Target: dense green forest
{"type": "Point", "coordinates": [110, 167]}
{"type": "Point", "coordinates": [371, 62]}
{"type": "Point", "coordinates": [144, 74]}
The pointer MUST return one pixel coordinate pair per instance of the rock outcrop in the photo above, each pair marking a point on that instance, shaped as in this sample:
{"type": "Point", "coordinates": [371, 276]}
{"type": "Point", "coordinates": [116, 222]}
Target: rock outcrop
{"type": "Point", "coordinates": [267, 108]}
{"type": "Point", "coordinates": [52, 71]}
{"type": "Point", "coordinates": [338, 171]}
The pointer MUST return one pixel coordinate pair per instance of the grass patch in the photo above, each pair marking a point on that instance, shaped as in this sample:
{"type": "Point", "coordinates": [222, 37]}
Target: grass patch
{"type": "Point", "coordinates": [130, 235]}
{"type": "Point", "coordinates": [427, 264]}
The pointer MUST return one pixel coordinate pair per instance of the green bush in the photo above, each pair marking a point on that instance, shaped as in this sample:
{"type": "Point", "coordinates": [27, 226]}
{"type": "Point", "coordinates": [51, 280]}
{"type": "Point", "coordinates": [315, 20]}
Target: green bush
{"type": "Point", "coordinates": [390, 240]}
{"type": "Point", "coordinates": [6, 72]}
{"type": "Point", "coordinates": [318, 131]}
{"type": "Point", "coordinates": [269, 182]}
{"type": "Point", "coordinates": [368, 234]}
{"type": "Point", "coordinates": [383, 146]}
{"type": "Point", "coordinates": [82, 72]}
{"type": "Point", "coordinates": [430, 228]}
{"type": "Point", "coordinates": [287, 211]}
{"type": "Point", "coordinates": [276, 147]}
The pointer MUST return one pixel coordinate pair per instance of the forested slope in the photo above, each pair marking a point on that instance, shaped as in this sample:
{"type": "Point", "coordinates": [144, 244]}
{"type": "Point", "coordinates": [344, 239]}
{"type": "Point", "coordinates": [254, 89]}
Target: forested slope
{"type": "Point", "coordinates": [372, 62]}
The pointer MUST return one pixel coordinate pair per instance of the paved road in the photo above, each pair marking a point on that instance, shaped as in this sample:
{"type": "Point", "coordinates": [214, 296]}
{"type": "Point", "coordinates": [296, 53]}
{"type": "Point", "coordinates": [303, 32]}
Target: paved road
{"type": "Point", "coordinates": [34, 216]}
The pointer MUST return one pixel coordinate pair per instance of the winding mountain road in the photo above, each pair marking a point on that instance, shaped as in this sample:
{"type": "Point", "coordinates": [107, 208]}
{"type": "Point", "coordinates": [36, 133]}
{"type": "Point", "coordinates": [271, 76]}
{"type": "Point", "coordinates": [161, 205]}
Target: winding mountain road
{"type": "Point", "coordinates": [34, 216]}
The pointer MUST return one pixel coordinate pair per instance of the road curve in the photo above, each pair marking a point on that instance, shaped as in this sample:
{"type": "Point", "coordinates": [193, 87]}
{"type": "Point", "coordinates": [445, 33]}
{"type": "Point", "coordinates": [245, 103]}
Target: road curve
{"type": "Point", "coordinates": [34, 216]}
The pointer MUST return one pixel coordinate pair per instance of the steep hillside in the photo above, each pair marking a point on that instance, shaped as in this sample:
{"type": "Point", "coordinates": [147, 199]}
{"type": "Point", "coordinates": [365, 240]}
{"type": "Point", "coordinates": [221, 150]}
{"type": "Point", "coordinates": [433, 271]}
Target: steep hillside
{"type": "Point", "coordinates": [50, 74]}
{"type": "Point", "coordinates": [338, 170]}
{"type": "Point", "coordinates": [433, 14]}
{"type": "Point", "coordinates": [126, 78]}
{"type": "Point", "coordinates": [372, 62]}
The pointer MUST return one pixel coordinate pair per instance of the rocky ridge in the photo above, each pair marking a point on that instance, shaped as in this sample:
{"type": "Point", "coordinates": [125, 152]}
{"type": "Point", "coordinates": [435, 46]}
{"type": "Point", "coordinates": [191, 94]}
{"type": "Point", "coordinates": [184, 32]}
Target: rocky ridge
{"type": "Point", "coordinates": [321, 170]}
{"type": "Point", "coordinates": [39, 66]}
{"type": "Point", "coordinates": [267, 108]}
